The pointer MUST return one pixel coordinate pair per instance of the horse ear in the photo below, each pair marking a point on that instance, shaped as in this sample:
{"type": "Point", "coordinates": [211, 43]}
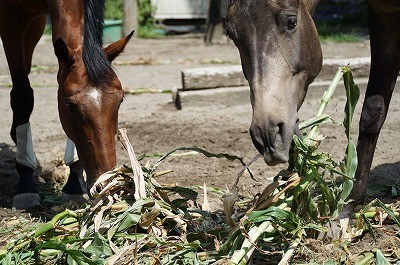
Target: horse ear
{"type": "Point", "coordinates": [63, 52]}
{"type": "Point", "coordinates": [312, 5]}
{"type": "Point", "coordinates": [114, 49]}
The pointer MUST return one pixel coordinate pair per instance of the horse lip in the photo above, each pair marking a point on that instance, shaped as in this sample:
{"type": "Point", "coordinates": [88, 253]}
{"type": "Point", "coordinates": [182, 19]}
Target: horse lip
{"type": "Point", "coordinates": [274, 158]}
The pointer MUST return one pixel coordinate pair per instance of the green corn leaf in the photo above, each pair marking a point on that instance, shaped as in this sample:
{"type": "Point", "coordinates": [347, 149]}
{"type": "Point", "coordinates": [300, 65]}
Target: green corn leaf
{"type": "Point", "coordinates": [324, 118]}
{"type": "Point", "coordinates": [230, 241]}
{"type": "Point", "coordinates": [330, 262]}
{"type": "Point", "coordinates": [186, 254]}
{"type": "Point", "coordinates": [184, 192]}
{"type": "Point", "coordinates": [6, 260]}
{"type": "Point", "coordinates": [134, 210]}
{"type": "Point", "coordinates": [77, 257]}
{"type": "Point", "coordinates": [288, 220]}
{"type": "Point", "coordinates": [365, 260]}
{"type": "Point", "coordinates": [179, 202]}
{"type": "Point", "coordinates": [201, 151]}
{"type": "Point", "coordinates": [74, 256]}
{"type": "Point", "coordinates": [352, 94]}
{"type": "Point", "coordinates": [133, 237]}
{"type": "Point", "coordinates": [99, 246]}
{"type": "Point", "coordinates": [369, 226]}
{"type": "Point", "coordinates": [380, 258]}
{"type": "Point", "coordinates": [129, 221]}
{"type": "Point", "coordinates": [388, 211]}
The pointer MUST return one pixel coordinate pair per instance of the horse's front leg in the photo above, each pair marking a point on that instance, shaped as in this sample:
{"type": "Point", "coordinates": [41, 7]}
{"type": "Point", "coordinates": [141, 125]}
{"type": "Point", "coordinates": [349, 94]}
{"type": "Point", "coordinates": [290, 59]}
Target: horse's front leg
{"type": "Point", "coordinates": [385, 65]}
{"type": "Point", "coordinates": [75, 188]}
{"type": "Point", "coordinates": [20, 35]}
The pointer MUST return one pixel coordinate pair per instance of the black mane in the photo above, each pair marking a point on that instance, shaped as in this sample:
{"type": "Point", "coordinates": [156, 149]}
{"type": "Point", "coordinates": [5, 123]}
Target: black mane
{"type": "Point", "coordinates": [98, 68]}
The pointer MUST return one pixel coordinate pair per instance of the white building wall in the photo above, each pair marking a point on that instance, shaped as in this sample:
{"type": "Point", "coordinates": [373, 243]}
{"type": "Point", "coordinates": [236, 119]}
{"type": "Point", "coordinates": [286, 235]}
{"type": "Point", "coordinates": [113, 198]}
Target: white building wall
{"type": "Point", "coordinates": [180, 9]}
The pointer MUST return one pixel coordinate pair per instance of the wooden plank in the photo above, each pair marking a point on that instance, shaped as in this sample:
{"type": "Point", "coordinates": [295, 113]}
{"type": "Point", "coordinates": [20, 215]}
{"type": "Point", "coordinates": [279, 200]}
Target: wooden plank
{"type": "Point", "coordinates": [221, 96]}
{"type": "Point", "coordinates": [213, 77]}
{"type": "Point", "coordinates": [232, 76]}
{"type": "Point", "coordinates": [358, 66]}
{"type": "Point", "coordinates": [236, 95]}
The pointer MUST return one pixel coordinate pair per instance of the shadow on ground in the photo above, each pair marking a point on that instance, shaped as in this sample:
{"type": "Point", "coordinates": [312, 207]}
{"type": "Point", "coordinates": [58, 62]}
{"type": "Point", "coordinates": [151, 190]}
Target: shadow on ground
{"type": "Point", "coordinates": [8, 175]}
{"type": "Point", "coordinates": [48, 182]}
{"type": "Point", "coordinates": [384, 182]}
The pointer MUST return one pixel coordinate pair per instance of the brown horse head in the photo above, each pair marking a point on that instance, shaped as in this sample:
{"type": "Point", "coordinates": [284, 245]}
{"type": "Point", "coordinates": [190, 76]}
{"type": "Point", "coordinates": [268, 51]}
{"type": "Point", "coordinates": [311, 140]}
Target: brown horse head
{"type": "Point", "coordinates": [90, 92]}
{"type": "Point", "coordinates": [281, 55]}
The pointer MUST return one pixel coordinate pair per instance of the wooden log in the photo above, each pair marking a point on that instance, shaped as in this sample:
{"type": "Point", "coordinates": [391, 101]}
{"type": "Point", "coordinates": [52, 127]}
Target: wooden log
{"type": "Point", "coordinates": [232, 76]}
{"type": "Point", "coordinates": [213, 77]}
{"type": "Point", "coordinates": [359, 66]}
{"type": "Point", "coordinates": [239, 95]}
{"type": "Point", "coordinates": [221, 96]}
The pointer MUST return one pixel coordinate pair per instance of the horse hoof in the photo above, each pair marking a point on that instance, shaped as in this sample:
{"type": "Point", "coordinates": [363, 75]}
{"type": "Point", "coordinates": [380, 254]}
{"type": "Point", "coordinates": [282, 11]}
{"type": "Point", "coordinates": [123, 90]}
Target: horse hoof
{"type": "Point", "coordinates": [79, 199]}
{"type": "Point", "coordinates": [26, 201]}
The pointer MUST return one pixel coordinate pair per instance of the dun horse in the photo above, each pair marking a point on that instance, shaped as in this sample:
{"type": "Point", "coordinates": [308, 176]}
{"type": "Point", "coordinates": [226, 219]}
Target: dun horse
{"type": "Point", "coordinates": [89, 93]}
{"type": "Point", "coordinates": [281, 56]}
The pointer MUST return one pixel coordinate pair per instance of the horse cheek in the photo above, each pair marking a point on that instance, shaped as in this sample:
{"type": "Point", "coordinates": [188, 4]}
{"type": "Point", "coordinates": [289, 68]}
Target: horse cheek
{"type": "Point", "coordinates": [65, 120]}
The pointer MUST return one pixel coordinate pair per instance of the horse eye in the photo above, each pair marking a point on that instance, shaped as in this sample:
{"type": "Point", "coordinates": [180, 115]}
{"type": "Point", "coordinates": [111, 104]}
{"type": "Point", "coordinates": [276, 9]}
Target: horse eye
{"type": "Point", "coordinates": [71, 107]}
{"type": "Point", "coordinates": [291, 23]}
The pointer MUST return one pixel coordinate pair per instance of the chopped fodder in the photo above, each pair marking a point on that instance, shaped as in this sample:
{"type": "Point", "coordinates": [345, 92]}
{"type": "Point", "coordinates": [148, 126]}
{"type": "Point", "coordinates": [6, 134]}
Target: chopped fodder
{"type": "Point", "coordinates": [135, 220]}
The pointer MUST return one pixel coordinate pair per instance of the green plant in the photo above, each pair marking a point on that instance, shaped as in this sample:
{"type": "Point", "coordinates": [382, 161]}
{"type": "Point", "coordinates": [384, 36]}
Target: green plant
{"type": "Point", "coordinates": [114, 9]}
{"type": "Point", "coordinates": [135, 220]}
{"type": "Point", "coordinates": [302, 200]}
{"type": "Point", "coordinates": [339, 33]}
{"type": "Point", "coordinates": [349, 28]}
{"type": "Point", "coordinates": [146, 21]}
{"type": "Point", "coordinates": [342, 21]}
{"type": "Point", "coordinates": [146, 11]}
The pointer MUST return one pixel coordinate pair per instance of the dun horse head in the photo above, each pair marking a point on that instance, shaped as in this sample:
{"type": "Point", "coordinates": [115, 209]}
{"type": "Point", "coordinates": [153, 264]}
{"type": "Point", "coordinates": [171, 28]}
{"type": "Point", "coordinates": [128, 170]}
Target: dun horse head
{"type": "Point", "coordinates": [281, 56]}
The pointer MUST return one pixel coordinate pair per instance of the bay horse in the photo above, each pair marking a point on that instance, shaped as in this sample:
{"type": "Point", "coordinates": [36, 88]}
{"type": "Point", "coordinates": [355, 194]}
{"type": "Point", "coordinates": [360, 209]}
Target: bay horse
{"type": "Point", "coordinates": [89, 93]}
{"type": "Point", "coordinates": [281, 56]}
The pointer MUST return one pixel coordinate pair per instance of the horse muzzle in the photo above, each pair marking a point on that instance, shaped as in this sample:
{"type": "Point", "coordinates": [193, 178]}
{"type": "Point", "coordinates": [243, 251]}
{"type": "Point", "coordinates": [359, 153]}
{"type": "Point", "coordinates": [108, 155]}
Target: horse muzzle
{"type": "Point", "coordinates": [273, 142]}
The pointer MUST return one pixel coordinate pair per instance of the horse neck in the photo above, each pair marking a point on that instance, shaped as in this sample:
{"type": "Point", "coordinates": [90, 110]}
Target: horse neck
{"type": "Point", "coordinates": [386, 6]}
{"type": "Point", "coordinates": [67, 22]}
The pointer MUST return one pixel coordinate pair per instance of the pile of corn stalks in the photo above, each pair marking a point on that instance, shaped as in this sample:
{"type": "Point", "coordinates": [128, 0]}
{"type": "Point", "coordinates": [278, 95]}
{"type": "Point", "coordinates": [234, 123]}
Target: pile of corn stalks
{"type": "Point", "coordinates": [134, 220]}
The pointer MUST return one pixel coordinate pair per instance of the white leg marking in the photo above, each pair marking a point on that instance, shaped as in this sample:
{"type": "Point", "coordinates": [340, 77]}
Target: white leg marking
{"type": "Point", "coordinates": [25, 153]}
{"type": "Point", "coordinates": [71, 155]}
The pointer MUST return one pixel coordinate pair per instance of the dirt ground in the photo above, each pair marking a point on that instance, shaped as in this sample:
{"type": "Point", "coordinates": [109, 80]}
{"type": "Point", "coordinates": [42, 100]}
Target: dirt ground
{"type": "Point", "coordinates": [156, 127]}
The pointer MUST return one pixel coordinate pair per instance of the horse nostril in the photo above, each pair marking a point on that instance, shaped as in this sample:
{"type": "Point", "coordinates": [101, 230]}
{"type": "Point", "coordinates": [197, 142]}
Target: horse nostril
{"type": "Point", "coordinates": [279, 141]}
{"type": "Point", "coordinates": [297, 130]}
{"type": "Point", "coordinates": [276, 136]}
{"type": "Point", "coordinates": [256, 137]}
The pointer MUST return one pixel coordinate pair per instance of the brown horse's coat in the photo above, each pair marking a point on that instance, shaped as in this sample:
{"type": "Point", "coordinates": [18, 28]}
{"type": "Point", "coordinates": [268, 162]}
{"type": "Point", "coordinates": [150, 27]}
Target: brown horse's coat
{"type": "Point", "coordinates": [281, 56]}
{"type": "Point", "coordinates": [89, 92]}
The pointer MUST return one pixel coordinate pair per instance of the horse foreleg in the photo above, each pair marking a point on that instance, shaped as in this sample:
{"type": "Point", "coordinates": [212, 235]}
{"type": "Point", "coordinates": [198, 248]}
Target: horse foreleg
{"type": "Point", "coordinates": [26, 195]}
{"type": "Point", "coordinates": [75, 188]}
{"type": "Point", "coordinates": [385, 66]}
{"type": "Point", "coordinates": [19, 41]}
